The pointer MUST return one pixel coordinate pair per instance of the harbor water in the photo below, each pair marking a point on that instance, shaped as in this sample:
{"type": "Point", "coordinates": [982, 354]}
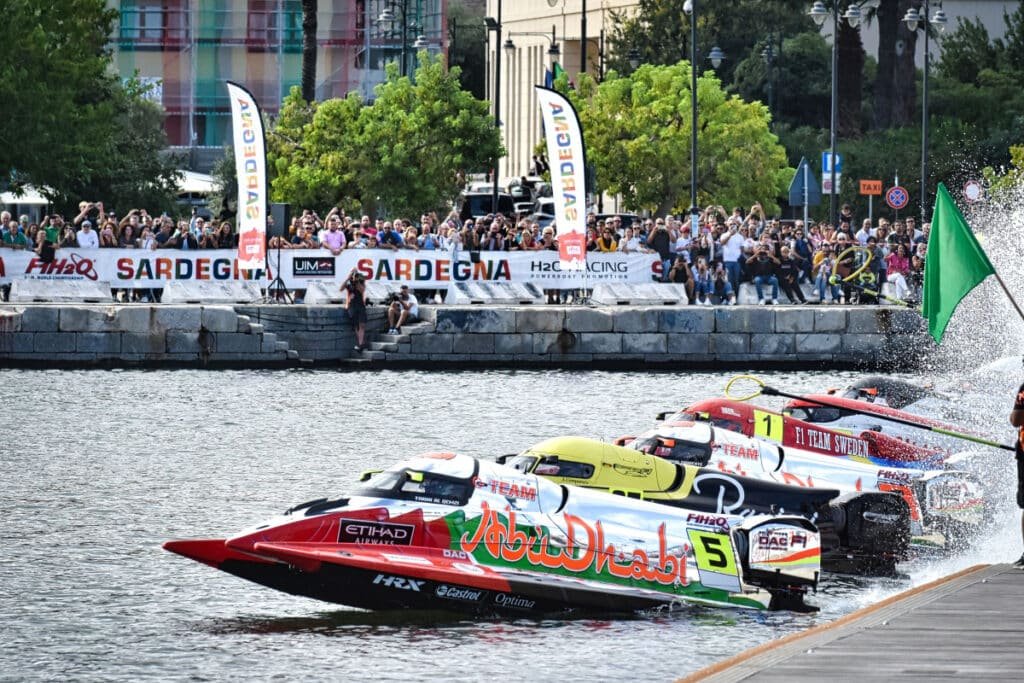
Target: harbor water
{"type": "Point", "coordinates": [99, 468]}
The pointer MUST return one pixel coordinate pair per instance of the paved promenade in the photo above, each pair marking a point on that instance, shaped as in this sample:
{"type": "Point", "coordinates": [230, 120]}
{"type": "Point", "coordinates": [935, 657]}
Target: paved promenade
{"type": "Point", "coordinates": [965, 627]}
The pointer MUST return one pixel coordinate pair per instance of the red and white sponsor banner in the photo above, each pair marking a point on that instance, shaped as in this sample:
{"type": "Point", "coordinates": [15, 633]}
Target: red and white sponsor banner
{"type": "Point", "coordinates": [568, 161]}
{"type": "Point", "coordinates": [139, 269]}
{"type": "Point", "coordinates": [251, 167]}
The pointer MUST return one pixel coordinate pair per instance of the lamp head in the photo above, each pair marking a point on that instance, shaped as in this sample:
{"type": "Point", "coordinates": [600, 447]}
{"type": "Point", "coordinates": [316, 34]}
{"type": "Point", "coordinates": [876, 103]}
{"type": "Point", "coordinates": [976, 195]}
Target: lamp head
{"type": "Point", "coordinates": [852, 16]}
{"type": "Point", "coordinates": [716, 56]}
{"type": "Point", "coordinates": [819, 13]}
{"type": "Point", "coordinates": [912, 18]}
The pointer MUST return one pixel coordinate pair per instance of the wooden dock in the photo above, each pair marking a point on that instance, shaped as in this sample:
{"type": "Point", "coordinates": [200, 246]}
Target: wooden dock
{"type": "Point", "coordinates": [963, 627]}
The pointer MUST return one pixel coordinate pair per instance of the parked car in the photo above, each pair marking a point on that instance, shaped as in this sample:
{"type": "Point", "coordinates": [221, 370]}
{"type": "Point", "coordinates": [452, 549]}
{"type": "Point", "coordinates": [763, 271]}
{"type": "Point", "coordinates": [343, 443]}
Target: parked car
{"type": "Point", "coordinates": [478, 204]}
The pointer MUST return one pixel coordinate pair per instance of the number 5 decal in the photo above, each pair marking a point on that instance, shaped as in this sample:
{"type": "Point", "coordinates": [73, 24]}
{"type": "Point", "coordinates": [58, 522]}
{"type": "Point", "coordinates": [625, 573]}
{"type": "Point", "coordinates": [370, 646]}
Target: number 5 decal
{"type": "Point", "coordinates": [768, 426]}
{"type": "Point", "coordinates": [713, 552]}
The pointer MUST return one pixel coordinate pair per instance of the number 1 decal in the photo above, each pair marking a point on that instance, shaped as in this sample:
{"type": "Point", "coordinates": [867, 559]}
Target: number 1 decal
{"type": "Point", "coordinates": [768, 426]}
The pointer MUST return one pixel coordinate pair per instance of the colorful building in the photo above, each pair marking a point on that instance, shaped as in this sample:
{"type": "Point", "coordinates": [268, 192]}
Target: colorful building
{"type": "Point", "coordinates": [187, 48]}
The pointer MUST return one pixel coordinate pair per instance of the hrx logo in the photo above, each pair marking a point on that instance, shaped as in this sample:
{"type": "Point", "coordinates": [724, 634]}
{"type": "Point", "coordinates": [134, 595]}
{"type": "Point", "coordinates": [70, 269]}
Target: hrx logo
{"type": "Point", "coordinates": [399, 582]}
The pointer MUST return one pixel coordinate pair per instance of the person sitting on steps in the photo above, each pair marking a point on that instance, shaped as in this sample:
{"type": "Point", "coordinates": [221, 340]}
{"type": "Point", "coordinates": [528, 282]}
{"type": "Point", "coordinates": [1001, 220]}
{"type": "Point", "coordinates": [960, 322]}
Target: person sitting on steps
{"type": "Point", "coordinates": [403, 308]}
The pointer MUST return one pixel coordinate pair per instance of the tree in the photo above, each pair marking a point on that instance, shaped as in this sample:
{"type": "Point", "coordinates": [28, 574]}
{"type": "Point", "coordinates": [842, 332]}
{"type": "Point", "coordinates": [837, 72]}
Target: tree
{"type": "Point", "coordinates": [802, 80]}
{"type": "Point", "coordinates": [309, 8]}
{"type": "Point", "coordinates": [223, 201]}
{"type": "Point", "coordinates": [402, 152]}
{"type": "Point", "coordinates": [660, 30]}
{"type": "Point", "coordinates": [637, 131]}
{"type": "Point", "coordinates": [966, 51]}
{"type": "Point", "coordinates": [467, 46]}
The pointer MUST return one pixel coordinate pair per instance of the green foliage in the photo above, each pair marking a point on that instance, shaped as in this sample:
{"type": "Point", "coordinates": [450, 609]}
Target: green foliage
{"type": "Point", "coordinates": [638, 129]}
{"type": "Point", "coordinates": [69, 124]}
{"type": "Point", "coordinates": [223, 201]}
{"type": "Point", "coordinates": [1004, 185]}
{"type": "Point", "coordinates": [966, 51]}
{"type": "Point", "coordinates": [404, 150]}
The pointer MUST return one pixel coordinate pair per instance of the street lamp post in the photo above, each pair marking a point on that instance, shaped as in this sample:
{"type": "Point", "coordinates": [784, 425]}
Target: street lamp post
{"type": "Point", "coordinates": [768, 55]}
{"type": "Point", "coordinates": [387, 18]}
{"type": "Point", "coordinates": [495, 26]}
{"type": "Point", "coordinates": [716, 56]}
{"type": "Point", "coordinates": [553, 52]}
{"type": "Point", "coordinates": [914, 18]}
{"type": "Point", "coordinates": [820, 13]}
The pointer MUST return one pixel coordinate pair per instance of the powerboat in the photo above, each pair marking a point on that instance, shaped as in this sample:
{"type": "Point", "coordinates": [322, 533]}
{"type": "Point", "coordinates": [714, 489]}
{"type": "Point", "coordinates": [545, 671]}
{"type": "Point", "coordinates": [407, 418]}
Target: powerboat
{"type": "Point", "coordinates": [945, 503]}
{"type": "Point", "coordinates": [450, 532]}
{"type": "Point", "coordinates": [862, 532]}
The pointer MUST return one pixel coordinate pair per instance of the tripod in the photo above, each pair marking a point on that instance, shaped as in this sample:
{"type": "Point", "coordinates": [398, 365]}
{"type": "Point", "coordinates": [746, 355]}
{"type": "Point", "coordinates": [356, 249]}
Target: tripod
{"type": "Point", "coordinates": [276, 290]}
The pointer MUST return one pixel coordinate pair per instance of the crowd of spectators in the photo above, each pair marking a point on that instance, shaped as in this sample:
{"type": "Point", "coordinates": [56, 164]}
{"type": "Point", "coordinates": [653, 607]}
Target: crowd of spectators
{"type": "Point", "coordinates": [728, 249]}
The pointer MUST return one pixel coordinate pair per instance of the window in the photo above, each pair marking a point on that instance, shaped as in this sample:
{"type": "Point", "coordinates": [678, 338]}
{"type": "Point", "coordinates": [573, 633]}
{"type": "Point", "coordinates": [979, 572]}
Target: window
{"type": "Point", "coordinates": [269, 22]}
{"type": "Point", "coordinates": [521, 463]}
{"type": "Point", "coordinates": [423, 487]}
{"type": "Point", "coordinates": [553, 466]}
{"type": "Point", "coordinates": [676, 450]}
{"type": "Point", "coordinates": [143, 22]}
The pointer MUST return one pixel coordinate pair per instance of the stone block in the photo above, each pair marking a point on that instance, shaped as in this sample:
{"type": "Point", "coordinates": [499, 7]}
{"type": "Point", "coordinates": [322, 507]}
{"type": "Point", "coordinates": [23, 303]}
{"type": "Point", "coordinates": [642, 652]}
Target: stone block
{"type": "Point", "coordinates": [728, 344]}
{"type": "Point", "coordinates": [177, 317]}
{"type": "Point", "coordinates": [900, 321]}
{"type": "Point", "coordinates": [16, 342]}
{"type": "Point", "coordinates": [589, 320]}
{"type": "Point", "coordinates": [473, 343]}
{"type": "Point", "coordinates": [220, 318]}
{"type": "Point", "coordinates": [136, 319]}
{"type": "Point", "coordinates": [531, 320]}
{"type": "Point", "coordinates": [869, 344]}
{"type": "Point", "coordinates": [687, 344]}
{"type": "Point", "coordinates": [233, 342]}
{"type": "Point", "coordinates": [775, 345]}
{"type": "Point", "coordinates": [184, 343]}
{"type": "Point", "coordinates": [268, 343]}
{"type": "Point", "coordinates": [148, 344]}
{"type": "Point", "coordinates": [637, 320]}
{"type": "Point", "coordinates": [100, 343]}
{"type": "Point", "coordinates": [10, 321]}
{"type": "Point", "coordinates": [829, 320]}
{"type": "Point", "coordinates": [794, 320]}
{"type": "Point", "coordinates": [743, 319]}
{"type": "Point", "coordinates": [548, 342]}
{"type": "Point", "coordinates": [645, 343]}
{"type": "Point", "coordinates": [513, 343]}
{"type": "Point", "coordinates": [476, 320]}
{"type": "Point", "coordinates": [432, 343]}
{"type": "Point", "coordinates": [54, 342]}
{"type": "Point", "coordinates": [40, 318]}
{"type": "Point", "coordinates": [819, 343]}
{"type": "Point", "coordinates": [690, 320]}
{"type": "Point", "coordinates": [599, 342]}
{"type": "Point", "coordinates": [863, 321]}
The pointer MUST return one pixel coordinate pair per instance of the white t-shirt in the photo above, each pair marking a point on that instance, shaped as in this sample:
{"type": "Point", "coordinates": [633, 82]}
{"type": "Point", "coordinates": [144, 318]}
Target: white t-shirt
{"type": "Point", "coordinates": [632, 244]}
{"type": "Point", "coordinates": [414, 306]}
{"type": "Point", "coordinates": [88, 240]}
{"type": "Point", "coordinates": [732, 247]}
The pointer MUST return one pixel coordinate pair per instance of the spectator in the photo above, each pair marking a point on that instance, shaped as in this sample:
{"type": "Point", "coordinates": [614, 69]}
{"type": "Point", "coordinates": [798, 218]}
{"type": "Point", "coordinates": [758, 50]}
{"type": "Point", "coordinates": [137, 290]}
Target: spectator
{"type": "Point", "coordinates": [660, 241]}
{"type": "Point", "coordinates": [226, 236]}
{"type": "Point", "coordinates": [184, 239]}
{"type": "Point", "coordinates": [897, 265]}
{"type": "Point", "coordinates": [630, 243]}
{"type": "Point", "coordinates": [147, 240]}
{"type": "Point", "coordinates": [208, 240]}
{"type": "Point", "coordinates": [762, 267]}
{"type": "Point", "coordinates": [127, 239]}
{"type": "Point", "coordinates": [732, 249]}
{"type": "Point", "coordinates": [915, 280]}
{"type": "Point", "coordinates": [108, 239]}
{"type": "Point", "coordinates": [410, 240]}
{"type": "Point", "coordinates": [427, 240]}
{"type": "Point", "coordinates": [789, 270]}
{"type": "Point", "coordinates": [165, 237]}
{"type": "Point", "coordinates": [87, 237]}
{"type": "Point", "coordinates": [388, 237]}
{"type": "Point", "coordinates": [607, 242]}
{"type": "Point", "coordinates": [825, 263]}
{"type": "Point", "coordinates": [68, 238]}
{"type": "Point", "coordinates": [703, 282]}
{"type": "Point", "coordinates": [722, 287]}
{"type": "Point", "coordinates": [332, 239]}
{"type": "Point", "coordinates": [864, 233]}
{"type": "Point", "coordinates": [12, 237]}
{"type": "Point", "coordinates": [493, 241]}
{"type": "Point", "coordinates": [404, 308]}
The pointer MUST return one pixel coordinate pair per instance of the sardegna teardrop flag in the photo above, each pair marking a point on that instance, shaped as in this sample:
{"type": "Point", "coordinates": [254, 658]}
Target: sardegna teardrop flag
{"type": "Point", "coordinates": [251, 168]}
{"type": "Point", "coordinates": [568, 161]}
{"type": "Point", "coordinates": [955, 264]}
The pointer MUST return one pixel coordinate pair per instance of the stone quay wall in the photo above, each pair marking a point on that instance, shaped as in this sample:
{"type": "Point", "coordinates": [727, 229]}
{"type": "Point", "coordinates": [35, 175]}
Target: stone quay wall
{"type": "Point", "coordinates": [269, 335]}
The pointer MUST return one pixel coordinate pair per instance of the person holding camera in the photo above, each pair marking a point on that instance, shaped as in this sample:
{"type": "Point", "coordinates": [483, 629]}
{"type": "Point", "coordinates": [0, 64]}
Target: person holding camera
{"type": "Point", "coordinates": [402, 308]}
{"type": "Point", "coordinates": [762, 266]}
{"type": "Point", "coordinates": [354, 287]}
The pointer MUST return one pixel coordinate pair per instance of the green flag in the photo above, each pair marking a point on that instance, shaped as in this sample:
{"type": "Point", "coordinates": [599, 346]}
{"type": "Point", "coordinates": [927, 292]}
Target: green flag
{"type": "Point", "coordinates": [955, 264]}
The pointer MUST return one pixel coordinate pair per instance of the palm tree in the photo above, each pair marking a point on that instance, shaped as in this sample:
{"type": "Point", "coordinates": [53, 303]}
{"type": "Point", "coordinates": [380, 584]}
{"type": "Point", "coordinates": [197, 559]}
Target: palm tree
{"type": "Point", "coordinates": [309, 50]}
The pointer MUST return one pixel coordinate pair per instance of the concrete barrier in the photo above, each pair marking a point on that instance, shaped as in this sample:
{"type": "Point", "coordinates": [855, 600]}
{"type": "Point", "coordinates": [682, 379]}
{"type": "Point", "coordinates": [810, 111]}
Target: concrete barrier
{"type": "Point", "coordinates": [211, 292]}
{"type": "Point", "coordinates": [37, 291]}
{"type": "Point", "coordinates": [621, 294]}
{"type": "Point", "coordinates": [490, 293]}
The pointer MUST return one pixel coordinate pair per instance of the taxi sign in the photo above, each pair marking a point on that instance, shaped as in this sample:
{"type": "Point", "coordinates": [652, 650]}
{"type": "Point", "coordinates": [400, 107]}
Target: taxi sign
{"type": "Point", "coordinates": [871, 187]}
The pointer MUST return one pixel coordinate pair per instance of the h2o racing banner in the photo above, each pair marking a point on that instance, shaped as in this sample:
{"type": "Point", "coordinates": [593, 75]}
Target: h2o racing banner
{"type": "Point", "coordinates": [251, 168]}
{"type": "Point", "coordinates": [568, 161]}
{"type": "Point", "coordinates": [143, 269]}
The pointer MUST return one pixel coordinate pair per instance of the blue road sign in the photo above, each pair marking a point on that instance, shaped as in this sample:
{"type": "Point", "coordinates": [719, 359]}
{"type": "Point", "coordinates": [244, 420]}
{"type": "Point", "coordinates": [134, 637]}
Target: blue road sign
{"type": "Point", "coordinates": [826, 163]}
{"type": "Point", "coordinates": [804, 179]}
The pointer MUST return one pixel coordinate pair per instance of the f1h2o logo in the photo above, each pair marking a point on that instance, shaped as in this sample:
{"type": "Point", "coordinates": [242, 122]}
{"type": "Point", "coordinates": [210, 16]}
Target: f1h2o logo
{"type": "Point", "coordinates": [399, 582]}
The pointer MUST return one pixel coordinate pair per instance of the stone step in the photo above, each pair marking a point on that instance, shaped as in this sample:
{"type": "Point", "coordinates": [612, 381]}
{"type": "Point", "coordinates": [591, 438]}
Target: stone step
{"type": "Point", "coordinates": [243, 323]}
{"type": "Point", "coordinates": [371, 355]}
{"type": "Point", "coordinates": [418, 328]}
{"type": "Point", "coordinates": [292, 353]}
{"type": "Point", "coordinates": [392, 338]}
{"type": "Point", "coordinates": [283, 346]}
{"type": "Point", "coordinates": [255, 328]}
{"type": "Point", "coordinates": [383, 346]}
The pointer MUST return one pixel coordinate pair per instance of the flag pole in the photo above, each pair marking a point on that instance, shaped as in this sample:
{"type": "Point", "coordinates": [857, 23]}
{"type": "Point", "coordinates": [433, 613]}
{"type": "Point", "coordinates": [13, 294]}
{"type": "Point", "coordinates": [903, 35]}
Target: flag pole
{"type": "Point", "coordinates": [1008, 295]}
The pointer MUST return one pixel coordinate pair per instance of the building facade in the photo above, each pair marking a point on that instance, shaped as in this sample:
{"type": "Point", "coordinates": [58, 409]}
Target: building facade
{"type": "Point", "coordinates": [187, 49]}
{"type": "Point", "coordinates": [529, 24]}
